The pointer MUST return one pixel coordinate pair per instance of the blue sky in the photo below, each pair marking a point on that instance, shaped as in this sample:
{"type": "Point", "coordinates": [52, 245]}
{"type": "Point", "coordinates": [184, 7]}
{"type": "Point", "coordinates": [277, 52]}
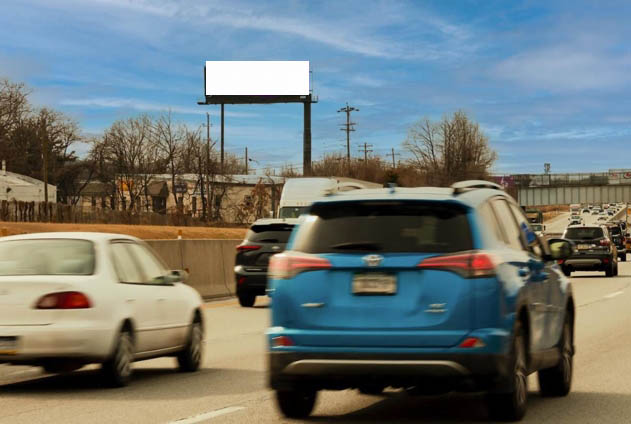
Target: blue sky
{"type": "Point", "coordinates": [549, 81]}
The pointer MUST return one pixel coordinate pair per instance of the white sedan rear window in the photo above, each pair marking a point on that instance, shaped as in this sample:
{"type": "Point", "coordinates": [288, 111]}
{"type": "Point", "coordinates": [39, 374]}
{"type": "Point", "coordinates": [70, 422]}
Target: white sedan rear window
{"type": "Point", "coordinates": [47, 257]}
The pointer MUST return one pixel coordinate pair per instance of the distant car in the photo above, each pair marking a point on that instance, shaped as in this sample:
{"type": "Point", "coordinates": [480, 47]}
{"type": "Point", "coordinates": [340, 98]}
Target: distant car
{"type": "Point", "coordinates": [71, 299]}
{"type": "Point", "coordinates": [617, 236]}
{"type": "Point", "coordinates": [265, 238]}
{"type": "Point", "coordinates": [594, 250]}
{"type": "Point", "coordinates": [539, 229]}
{"type": "Point", "coordinates": [436, 289]}
{"type": "Point", "coordinates": [575, 222]}
{"type": "Point", "coordinates": [595, 211]}
{"type": "Point", "coordinates": [610, 212]}
{"type": "Point", "coordinates": [586, 210]}
{"type": "Point", "coordinates": [602, 218]}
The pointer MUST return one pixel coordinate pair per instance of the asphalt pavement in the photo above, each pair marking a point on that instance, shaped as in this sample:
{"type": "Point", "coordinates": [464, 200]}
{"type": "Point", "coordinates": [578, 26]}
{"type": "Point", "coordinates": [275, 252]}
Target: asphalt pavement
{"type": "Point", "coordinates": [231, 387]}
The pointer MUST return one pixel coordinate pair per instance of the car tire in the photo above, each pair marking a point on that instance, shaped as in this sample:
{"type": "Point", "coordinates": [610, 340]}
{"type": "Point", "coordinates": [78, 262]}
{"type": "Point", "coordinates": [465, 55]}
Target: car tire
{"type": "Point", "coordinates": [190, 358]}
{"type": "Point", "coordinates": [567, 272]}
{"type": "Point", "coordinates": [623, 257]}
{"type": "Point", "coordinates": [609, 271]}
{"type": "Point", "coordinates": [511, 405]}
{"type": "Point", "coordinates": [557, 381]}
{"type": "Point", "coordinates": [118, 369]}
{"type": "Point", "coordinates": [296, 403]}
{"type": "Point", "coordinates": [247, 300]}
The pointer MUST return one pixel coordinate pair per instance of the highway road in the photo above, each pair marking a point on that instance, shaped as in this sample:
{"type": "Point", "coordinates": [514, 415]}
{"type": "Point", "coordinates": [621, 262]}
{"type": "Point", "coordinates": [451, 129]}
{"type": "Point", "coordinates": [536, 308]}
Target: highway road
{"type": "Point", "coordinates": [231, 387]}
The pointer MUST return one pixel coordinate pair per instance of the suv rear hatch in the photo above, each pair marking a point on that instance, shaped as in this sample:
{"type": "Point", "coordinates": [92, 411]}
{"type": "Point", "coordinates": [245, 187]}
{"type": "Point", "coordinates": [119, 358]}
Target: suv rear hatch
{"type": "Point", "coordinates": [374, 293]}
{"type": "Point", "coordinates": [261, 242]}
{"type": "Point", "coordinates": [588, 240]}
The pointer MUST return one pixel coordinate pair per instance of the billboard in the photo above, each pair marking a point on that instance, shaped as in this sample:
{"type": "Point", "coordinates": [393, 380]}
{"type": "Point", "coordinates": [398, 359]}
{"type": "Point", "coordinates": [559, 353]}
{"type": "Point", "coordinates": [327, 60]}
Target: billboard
{"type": "Point", "coordinates": [257, 78]}
{"type": "Point", "coordinates": [620, 176]}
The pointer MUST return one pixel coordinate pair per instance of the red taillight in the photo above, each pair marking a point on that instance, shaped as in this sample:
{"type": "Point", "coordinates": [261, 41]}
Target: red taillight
{"type": "Point", "coordinates": [605, 260]}
{"type": "Point", "coordinates": [469, 265]}
{"type": "Point", "coordinates": [472, 342]}
{"type": "Point", "coordinates": [284, 265]}
{"type": "Point", "coordinates": [247, 247]}
{"type": "Point", "coordinates": [64, 300]}
{"type": "Point", "coordinates": [282, 341]}
{"type": "Point", "coordinates": [605, 242]}
{"type": "Point", "coordinates": [242, 280]}
{"type": "Point", "coordinates": [560, 261]}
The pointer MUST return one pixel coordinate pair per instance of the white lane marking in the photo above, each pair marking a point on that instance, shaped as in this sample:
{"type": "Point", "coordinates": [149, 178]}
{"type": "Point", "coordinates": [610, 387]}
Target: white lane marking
{"type": "Point", "coordinates": [208, 415]}
{"type": "Point", "coordinates": [614, 294]}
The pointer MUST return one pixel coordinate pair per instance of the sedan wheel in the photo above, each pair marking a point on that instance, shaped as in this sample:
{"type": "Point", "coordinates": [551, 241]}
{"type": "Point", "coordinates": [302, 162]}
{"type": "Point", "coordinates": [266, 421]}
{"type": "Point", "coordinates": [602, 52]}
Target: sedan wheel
{"type": "Point", "coordinates": [190, 358]}
{"type": "Point", "coordinates": [118, 369]}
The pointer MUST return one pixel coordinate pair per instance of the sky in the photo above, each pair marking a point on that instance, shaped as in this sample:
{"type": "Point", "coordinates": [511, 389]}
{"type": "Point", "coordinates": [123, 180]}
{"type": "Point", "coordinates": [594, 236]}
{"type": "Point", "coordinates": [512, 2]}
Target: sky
{"type": "Point", "coordinates": [548, 81]}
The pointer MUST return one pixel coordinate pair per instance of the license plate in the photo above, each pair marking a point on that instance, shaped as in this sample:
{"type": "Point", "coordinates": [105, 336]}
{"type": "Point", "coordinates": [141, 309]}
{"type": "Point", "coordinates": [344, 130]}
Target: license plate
{"type": "Point", "coordinates": [375, 284]}
{"type": "Point", "coordinates": [8, 345]}
{"type": "Point", "coordinates": [583, 246]}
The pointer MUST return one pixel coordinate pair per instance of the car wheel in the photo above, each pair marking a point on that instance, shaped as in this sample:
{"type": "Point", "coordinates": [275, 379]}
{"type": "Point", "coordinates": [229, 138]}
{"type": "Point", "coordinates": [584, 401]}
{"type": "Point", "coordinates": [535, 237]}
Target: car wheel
{"type": "Point", "coordinates": [609, 271]}
{"type": "Point", "coordinates": [190, 358]}
{"type": "Point", "coordinates": [567, 272]}
{"type": "Point", "coordinates": [296, 403]}
{"type": "Point", "coordinates": [623, 257]}
{"type": "Point", "coordinates": [247, 300]}
{"type": "Point", "coordinates": [118, 369]}
{"type": "Point", "coordinates": [616, 270]}
{"type": "Point", "coordinates": [511, 406]}
{"type": "Point", "coordinates": [557, 381]}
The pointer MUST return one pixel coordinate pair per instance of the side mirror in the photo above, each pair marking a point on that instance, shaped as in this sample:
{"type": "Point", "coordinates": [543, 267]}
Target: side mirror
{"type": "Point", "coordinates": [178, 276]}
{"type": "Point", "coordinates": [561, 248]}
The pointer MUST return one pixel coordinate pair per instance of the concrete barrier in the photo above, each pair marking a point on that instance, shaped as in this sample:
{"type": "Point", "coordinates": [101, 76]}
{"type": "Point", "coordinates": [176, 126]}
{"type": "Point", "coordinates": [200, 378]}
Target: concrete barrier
{"type": "Point", "coordinates": [210, 263]}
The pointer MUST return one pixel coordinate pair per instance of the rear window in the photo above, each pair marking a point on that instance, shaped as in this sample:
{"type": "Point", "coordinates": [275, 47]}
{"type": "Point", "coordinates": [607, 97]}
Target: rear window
{"type": "Point", "coordinates": [46, 257]}
{"type": "Point", "coordinates": [292, 211]}
{"type": "Point", "coordinates": [275, 233]}
{"type": "Point", "coordinates": [584, 233]}
{"type": "Point", "coordinates": [615, 231]}
{"type": "Point", "coordinates": [386, 226]}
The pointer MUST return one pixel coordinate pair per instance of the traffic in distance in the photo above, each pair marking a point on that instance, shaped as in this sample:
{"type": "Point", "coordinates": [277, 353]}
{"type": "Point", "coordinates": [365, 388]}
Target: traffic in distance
{"type": "Point", "coordinates": [422, 290]}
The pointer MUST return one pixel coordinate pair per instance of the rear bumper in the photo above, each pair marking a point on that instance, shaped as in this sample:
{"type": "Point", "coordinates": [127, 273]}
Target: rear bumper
{"type": "Point", "coordinates": [454, 371]}
{"type": "Point", "coordinates": [587, 262]}
{"type": "Point", "coordinates": [251, 282]}
{"type": "Point", "coordinates": [37, 343]}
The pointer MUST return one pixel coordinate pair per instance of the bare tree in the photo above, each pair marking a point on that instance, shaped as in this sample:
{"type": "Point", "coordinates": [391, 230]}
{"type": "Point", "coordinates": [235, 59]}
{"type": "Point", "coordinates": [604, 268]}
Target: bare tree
{"type": "Point", "coordinates": [14, 107]}
{"type": "Point", "coordinates": [126, 146]}
{"type": "Point", "coordinates": [450, 150]}
{"type": "Point", "coordinates": [168, 137]}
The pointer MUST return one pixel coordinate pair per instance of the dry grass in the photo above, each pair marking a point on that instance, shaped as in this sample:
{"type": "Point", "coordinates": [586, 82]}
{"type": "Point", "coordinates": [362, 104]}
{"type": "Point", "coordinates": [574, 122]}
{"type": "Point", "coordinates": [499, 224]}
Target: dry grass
{"type": "Point", "coordinates": [140, 231]}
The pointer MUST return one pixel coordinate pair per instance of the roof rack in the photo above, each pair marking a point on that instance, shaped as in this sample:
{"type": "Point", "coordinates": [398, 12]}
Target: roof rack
{"type": "Point", "coordinates": [463, 186]}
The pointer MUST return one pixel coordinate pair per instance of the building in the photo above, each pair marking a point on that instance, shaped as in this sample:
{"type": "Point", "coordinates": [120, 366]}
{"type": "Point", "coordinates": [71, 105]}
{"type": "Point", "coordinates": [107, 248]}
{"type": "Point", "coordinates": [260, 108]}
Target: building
{"type": "Point", "coordinates": [230, 198]}
{"type": "Point", "coordinates": [23, 189]}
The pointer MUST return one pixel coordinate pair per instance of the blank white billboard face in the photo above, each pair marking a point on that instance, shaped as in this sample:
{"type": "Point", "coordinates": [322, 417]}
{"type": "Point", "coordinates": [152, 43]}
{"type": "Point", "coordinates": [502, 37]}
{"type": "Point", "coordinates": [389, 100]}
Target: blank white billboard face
{"type": "Point", "coordinates": [257, 78]}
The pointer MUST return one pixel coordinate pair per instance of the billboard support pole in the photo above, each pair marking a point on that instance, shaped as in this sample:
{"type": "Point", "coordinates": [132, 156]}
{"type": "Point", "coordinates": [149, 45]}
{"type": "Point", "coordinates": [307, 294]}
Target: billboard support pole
{"type": "Point", "coordinates": [306, 148]}
{"type": "Point", "coordinates": [222, 139]}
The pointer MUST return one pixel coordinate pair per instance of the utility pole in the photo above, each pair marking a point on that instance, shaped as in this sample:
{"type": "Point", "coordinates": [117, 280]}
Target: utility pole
{"type": "Point", "coordinates": [246, 161]}
{"type": "Point", "coordinates": [348, 127]}
{"type": "Point", "coordinates": [366, 150]}
{"type": "Point", "coordinates": [393, 155]}
{"type": "Point", "coordinates": [204, 171]}
{"type": "Point", "coordinates": [45, 165]}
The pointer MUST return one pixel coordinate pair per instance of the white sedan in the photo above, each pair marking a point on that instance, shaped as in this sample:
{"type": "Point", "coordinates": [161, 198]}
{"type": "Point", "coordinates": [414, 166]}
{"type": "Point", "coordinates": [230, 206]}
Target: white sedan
{"type": "Point", "coordinates": [70, 299]}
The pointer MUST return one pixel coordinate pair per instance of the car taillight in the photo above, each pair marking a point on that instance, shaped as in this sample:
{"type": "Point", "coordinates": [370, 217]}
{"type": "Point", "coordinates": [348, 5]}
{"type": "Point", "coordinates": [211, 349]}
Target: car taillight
{"type": "Point", "coordinates": [284, 265]}
{"type": "Point", "coordinates": [247, 247]}
{"type": "Point", "coordinates": [64, 300]}
{"type": "Point", "coordinates": [605, 242]}
{"type": "Point", "coordinates": [468, 265]}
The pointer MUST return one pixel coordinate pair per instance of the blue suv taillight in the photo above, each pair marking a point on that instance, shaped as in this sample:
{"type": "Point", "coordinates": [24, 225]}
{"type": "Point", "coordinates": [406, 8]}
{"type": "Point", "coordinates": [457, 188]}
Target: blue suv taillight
{"type": "Point", "coordinates": [467, 264]}
{"type": "Point", "coordinates": [288, 265]}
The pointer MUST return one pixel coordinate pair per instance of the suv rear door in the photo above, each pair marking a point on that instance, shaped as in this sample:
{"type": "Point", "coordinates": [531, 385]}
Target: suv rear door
{"type": "Point", "coordinates": [261, 242]}
{"type": "Point", "coordinates": [374, 293]}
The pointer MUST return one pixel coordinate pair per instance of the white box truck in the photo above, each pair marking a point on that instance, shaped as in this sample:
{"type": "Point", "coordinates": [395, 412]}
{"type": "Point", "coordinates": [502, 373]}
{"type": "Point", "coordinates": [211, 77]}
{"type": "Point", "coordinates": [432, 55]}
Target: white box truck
{"type": "Point", "coordinates": [299, 193]}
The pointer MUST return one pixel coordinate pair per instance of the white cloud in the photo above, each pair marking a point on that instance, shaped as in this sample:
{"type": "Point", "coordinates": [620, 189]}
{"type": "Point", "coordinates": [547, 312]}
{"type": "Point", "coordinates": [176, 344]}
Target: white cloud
{"type": "Point", "coordinates": [561, 68]}
{"type": "Point", "coordinates": [140, 105]}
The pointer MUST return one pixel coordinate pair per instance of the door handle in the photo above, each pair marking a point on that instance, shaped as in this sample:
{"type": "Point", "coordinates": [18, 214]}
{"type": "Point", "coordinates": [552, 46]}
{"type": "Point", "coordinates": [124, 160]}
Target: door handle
{"type": "Point", "coordinates": [130, 300]}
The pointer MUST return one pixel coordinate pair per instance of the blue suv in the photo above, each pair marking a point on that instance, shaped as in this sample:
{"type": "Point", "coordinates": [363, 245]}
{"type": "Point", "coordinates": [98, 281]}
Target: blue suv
{"type": "Point", "coordinates": [425, 289]}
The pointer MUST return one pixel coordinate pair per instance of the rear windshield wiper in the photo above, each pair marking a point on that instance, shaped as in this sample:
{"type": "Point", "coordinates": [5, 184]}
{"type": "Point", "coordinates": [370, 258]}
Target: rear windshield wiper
{"type": "Point", "coordinates": [358, 245]}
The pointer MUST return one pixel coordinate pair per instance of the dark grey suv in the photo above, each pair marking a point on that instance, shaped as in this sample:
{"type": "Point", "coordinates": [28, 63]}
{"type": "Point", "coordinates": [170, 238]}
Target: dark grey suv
{"type": "Point", "coordinates": [265, 238]}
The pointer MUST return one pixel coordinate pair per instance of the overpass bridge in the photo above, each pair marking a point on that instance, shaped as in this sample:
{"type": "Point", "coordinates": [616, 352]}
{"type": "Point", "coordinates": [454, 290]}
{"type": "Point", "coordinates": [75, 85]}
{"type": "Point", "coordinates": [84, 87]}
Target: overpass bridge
{"type": "Point", "coordinates": [562, 189]}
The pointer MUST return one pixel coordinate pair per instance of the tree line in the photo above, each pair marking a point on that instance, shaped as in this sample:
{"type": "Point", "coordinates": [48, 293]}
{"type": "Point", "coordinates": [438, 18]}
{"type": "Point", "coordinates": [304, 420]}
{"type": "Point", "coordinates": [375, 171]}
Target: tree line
{"type": "Point", "coordinates": [131, 151]}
